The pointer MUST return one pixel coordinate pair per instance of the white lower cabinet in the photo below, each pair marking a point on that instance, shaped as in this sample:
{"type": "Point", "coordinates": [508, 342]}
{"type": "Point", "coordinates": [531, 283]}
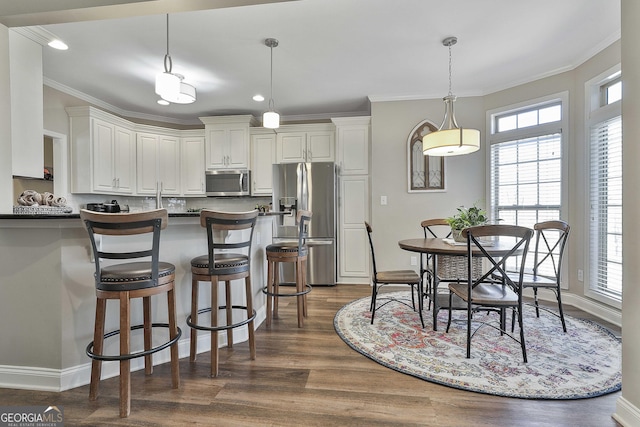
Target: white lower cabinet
{"type": "Point", "coordinates": [158, 164]}
{"type": "Point", "coordinates": [263, 157]}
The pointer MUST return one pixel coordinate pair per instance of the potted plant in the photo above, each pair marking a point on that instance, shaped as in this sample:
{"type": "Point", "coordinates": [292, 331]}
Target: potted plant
{"type": "Point", "coordinates": [466, 218]}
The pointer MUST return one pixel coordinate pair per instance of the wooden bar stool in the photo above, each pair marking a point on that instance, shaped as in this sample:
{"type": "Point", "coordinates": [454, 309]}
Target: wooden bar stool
{"type": "Point", "coordinates": [221, 265]}
{"type": "Point", "coordinates": [124, 281]}
{"type": "Point", "coordinates": [295, 252]}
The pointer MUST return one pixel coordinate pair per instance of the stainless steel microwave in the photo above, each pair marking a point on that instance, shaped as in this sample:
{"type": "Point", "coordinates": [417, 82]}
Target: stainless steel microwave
{"type": "Point", "coordinates": [227, 182]}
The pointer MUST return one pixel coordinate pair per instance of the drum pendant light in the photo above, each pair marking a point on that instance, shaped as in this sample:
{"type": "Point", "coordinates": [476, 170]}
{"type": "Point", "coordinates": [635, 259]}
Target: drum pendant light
{"type": "Point", "coordinates": [450, 139]}
{"type": "Point", "coordinates": [270, 118]}
{"type": "Point", "coordinates": [169, 85]}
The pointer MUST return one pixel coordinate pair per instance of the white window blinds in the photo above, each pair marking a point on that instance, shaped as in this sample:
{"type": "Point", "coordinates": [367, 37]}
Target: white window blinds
{"type": "Point", "coordinates": [606, 207]}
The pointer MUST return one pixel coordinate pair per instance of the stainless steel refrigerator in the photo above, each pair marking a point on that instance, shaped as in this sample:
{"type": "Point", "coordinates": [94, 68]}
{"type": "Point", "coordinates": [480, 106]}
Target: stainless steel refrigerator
{"type": "Point", "coordinates": [307, 186]}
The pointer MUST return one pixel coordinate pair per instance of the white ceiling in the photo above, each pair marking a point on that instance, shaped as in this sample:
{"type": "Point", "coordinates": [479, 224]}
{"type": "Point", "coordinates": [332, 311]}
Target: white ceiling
{"type": "Point", "coordinates": [334, 55]}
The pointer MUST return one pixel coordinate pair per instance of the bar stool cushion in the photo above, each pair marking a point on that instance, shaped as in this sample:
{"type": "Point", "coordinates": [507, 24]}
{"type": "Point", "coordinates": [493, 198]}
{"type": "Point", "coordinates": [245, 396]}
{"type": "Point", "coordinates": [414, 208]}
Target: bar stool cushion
{"type": "Point", "coordinates": [132, 276]}
{"type": "Point", "coordinates": [287, 247]}
{"type": "Point", "coordinates": [228, 263]}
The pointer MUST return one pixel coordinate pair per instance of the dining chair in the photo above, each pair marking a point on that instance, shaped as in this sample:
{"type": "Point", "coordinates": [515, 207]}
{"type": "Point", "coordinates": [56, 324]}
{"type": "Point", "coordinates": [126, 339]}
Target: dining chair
{"type": "Point", "coordinates": [392, 277]}
{"type": "Point", "coordinates": [485, 293]}
{"type": "Point", "coordinates": [551, 239]}
{"type": "Point", "coordinates": [432, 228]}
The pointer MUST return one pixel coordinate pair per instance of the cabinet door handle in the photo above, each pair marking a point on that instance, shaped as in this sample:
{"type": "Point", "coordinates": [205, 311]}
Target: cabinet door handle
{"type": "Point", "coordinates": [118, 182]}
{"type": "Point", "coordinates": [113, 182]}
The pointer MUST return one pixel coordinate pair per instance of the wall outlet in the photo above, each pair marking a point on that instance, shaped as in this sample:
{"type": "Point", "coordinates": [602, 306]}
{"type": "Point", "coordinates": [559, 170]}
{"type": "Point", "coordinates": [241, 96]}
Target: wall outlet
{"type": "Point", "coordinates": [580, 276]}
{"type": "Point", "coordinates": [414, 260]}
{"type": "Point", "coordinates": [383, 200]}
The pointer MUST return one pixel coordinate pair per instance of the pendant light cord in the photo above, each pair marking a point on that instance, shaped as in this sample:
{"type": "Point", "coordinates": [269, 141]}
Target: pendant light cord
{"type": "Point", "coordinates": [450, 93]}
{"type": "Point", "coordinates": [168, 64]}
{"type": "Point", "coordinates": [271, 103]}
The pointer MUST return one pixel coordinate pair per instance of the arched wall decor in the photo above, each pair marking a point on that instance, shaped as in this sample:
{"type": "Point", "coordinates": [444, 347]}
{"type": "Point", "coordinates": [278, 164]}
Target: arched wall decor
{"type": "Point", "coordinates": [425, 173]}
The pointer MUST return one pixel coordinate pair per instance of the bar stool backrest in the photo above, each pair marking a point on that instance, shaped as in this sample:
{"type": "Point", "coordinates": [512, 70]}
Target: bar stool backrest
{"type": "Point", "coordinates": [302, 219]}
{"type": "Point", "coordinates": [125, 224]}
{"type": "Point", "coordinates": [217, 225]}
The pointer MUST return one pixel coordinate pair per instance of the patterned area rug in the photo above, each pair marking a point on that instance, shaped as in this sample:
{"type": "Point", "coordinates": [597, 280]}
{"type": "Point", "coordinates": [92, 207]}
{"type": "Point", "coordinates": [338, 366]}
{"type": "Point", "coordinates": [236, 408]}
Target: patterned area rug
{"type": "Point", "coordinates": [585, 362]}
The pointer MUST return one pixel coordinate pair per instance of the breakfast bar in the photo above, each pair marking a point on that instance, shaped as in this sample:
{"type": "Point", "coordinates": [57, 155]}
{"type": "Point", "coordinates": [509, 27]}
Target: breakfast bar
{"type": "Point", "coordinates": [46, 275]}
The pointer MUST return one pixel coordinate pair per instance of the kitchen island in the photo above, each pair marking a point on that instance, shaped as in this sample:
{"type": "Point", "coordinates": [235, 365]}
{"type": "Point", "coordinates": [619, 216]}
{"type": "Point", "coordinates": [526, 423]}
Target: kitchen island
{"type": "Point", "coordinates": [48, 296]}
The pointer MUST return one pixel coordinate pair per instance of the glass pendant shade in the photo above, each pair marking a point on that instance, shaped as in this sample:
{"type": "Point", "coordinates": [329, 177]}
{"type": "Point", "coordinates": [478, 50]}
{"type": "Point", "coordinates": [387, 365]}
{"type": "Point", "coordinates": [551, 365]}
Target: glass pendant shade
{"type": "Point", "coordinates": [449, 139]}
{"type": "Point", "coordinates": [271, 120]}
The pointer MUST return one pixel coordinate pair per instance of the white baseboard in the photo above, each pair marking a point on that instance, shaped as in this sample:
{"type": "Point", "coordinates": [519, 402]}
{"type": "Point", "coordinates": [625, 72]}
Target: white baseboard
{"type": "Point", "coordinates": [44, 379]}
{"type": "Point", "coordinates": [626, 414]}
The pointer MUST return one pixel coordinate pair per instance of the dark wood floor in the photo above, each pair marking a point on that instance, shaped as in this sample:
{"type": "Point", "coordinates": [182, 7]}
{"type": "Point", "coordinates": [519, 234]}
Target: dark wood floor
{"type": "Point", "coordinates": [308, 377]}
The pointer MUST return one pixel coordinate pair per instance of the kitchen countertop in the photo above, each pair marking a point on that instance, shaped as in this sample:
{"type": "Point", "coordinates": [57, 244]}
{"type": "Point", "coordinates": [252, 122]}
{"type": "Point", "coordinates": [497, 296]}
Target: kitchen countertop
{"type": "Point", "coordinates": [74, 215]}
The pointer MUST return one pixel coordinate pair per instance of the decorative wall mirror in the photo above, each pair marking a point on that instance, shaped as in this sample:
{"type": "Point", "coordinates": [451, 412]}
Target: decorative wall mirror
{"type": "Point", "coordinates": [426, 173]}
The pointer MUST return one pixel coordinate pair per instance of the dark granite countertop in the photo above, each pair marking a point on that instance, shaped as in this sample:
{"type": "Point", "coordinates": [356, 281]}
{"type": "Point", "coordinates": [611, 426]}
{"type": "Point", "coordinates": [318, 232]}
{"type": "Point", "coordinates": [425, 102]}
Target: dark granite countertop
{"type": "Point", "coordinates": [77, 215]}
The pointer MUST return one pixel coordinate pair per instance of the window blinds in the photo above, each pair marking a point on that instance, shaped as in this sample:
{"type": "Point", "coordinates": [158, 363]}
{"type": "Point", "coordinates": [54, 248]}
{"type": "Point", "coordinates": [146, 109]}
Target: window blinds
{"type": "Point", "coordinates": [606, 207]}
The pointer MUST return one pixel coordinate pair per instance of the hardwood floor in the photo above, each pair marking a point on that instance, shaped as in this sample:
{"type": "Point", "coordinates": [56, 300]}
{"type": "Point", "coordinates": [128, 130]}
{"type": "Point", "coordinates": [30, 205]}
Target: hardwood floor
{"type": "Point", "coordinates": [307, 377]}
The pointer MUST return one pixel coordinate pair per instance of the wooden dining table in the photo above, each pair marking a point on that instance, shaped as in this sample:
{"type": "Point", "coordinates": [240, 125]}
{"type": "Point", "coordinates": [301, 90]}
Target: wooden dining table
{"type": "Point", "coordinates": [437, 247]}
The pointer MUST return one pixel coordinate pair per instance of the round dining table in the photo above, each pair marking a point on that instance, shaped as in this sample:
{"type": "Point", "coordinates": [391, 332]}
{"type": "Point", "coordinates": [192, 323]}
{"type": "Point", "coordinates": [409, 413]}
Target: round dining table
{"type": "Point", "coordinates": [435, 247]}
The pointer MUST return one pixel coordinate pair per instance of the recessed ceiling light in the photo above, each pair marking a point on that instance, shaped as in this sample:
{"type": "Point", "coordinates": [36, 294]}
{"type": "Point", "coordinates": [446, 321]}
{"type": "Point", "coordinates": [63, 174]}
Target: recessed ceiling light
{"type": "Point", "coordinates": [258, 98]}
{"type": "Point", "coordinates": [58, 44]}
{"type": "Point", "coordinates": [163, 102]}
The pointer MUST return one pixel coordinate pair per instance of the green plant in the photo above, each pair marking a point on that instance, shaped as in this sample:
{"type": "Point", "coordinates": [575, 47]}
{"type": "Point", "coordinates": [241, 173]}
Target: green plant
{"type": "Point", "coordinates": [467, 218]}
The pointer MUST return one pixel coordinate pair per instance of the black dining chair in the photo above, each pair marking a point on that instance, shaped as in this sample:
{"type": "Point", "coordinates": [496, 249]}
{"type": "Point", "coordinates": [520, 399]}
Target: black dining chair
{"type": "Point", "coordinates": [392, 277]}
{"type": "Point", "coordinates": [551, 239]}
{"type": "Point", "coordinates": [485, 293]}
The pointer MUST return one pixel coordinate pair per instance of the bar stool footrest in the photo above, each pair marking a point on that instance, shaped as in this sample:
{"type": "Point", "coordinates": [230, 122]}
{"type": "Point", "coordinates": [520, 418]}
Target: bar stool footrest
{"type": "Point", "coordinates": [288, 294]}
{"type": "Point", "coordinates": [223, 327]}
{"type": "Point", "coordinates": [92, 355]}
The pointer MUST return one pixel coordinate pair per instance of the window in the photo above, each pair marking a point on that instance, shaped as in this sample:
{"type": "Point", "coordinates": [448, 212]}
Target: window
{"type": "Point", "coordinates": [526, 163]}
{"type": "Point", "coordinates": [605, 188]}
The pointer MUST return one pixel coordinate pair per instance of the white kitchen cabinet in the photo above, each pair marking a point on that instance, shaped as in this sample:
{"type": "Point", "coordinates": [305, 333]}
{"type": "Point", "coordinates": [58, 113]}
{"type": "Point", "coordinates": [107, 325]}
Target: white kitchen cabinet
{"type": "Point", "coordinates": [227, 141]}
{"type": "Point", "coordinates": [193, 166]}
{"type": "Point", "coordinates": [113, 158]}
{"type": "Point", "coordinates": [353, 141]}
{"type": "Point", "coordinates": [103, 152]}
{"type": "Point", "coordinates": [263, 157]}
{"type": "Point", "coordinates": [157, 164]}
{"type": "Point", "coordinates": [26, 115]}
{"type": "Point", "coordinates": [306, 143]}
{"type": "Point", "coordinates": [352, 145]}
{"type": "Point", "coordinates": [353, 211]}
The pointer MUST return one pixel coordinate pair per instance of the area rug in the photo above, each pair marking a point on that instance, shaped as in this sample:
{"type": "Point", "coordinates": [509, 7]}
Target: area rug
{"type": "Point", "coordinates": [582, 363]}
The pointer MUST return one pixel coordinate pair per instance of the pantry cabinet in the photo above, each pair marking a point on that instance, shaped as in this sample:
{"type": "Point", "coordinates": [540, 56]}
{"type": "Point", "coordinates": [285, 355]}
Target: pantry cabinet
{"type": "Point", "coordinates": [353, 140]}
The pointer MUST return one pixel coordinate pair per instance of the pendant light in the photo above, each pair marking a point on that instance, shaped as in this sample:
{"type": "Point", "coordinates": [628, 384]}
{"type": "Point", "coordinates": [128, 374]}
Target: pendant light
{"type": "Point", "coordinates": [450, 139]}
{"type": "Point", "coordinates": [271, 119]}
{"type": "Point", "coordinates": [169, 85]}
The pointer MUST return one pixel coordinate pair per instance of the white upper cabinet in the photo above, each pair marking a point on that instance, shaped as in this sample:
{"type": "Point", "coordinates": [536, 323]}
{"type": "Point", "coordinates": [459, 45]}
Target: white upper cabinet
{"type": "Point", "coordinates": [158, 164]}
{"type": "Point", "coordinates": [353, 145]}
{"type": "Point", "coordinates": [25, 84]}
{"type": "Point", "coordinates": [103, 152]}
{"type": "Point", "coordinates": [113, 158]}
{"type": "Point", "coordinates": [227, 141]}
{"type": "Point", "coordinates": [306, 143]}
{"type": "Point", "coordinates": [263, 157]}
{"type": "Point", "coordinates": [193, 166]}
